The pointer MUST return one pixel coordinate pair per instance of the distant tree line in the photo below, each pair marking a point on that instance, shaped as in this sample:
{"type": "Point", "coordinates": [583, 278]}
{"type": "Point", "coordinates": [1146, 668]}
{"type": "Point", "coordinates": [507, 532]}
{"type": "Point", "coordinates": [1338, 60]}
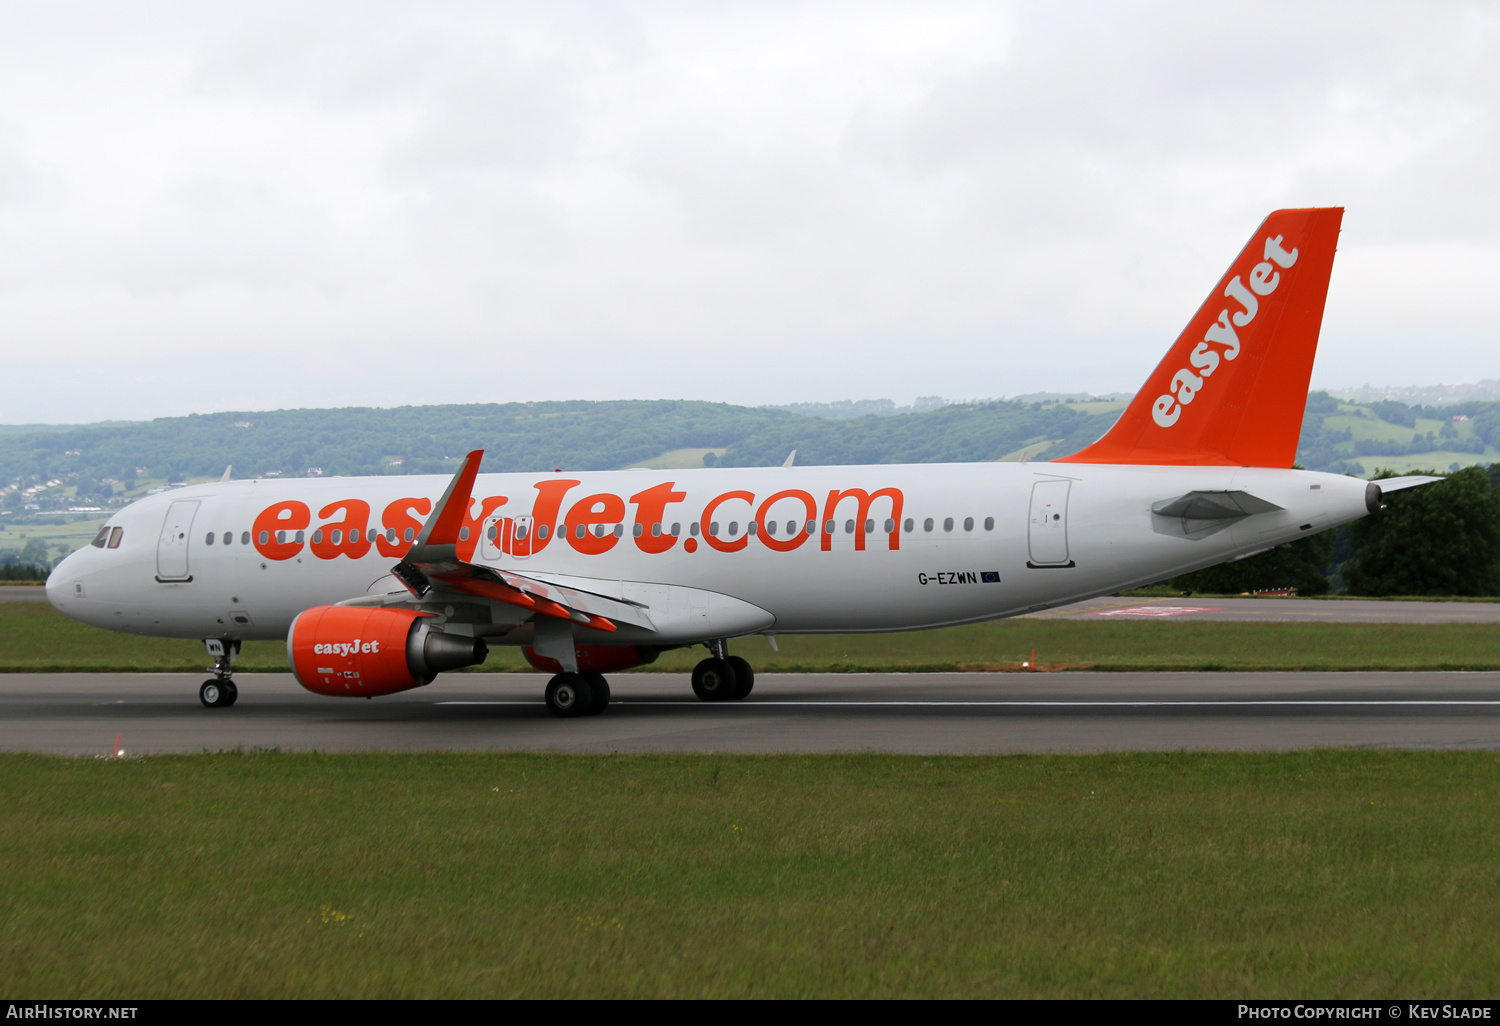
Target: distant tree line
{"type": "Point", "coordinates": [521, 437]}
{"type": "Point", "coordinates": [1336, 451]}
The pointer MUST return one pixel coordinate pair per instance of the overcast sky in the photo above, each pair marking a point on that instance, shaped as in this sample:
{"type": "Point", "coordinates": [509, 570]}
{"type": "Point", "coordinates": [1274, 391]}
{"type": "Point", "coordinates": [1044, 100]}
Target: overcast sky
{"type": "Point", "coordinates": [210, 206]}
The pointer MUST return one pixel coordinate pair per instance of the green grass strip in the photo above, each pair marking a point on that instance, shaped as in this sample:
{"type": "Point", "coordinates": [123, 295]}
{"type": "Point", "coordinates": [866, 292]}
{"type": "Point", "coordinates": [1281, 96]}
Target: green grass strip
{"type": "Point", "coordinates": [1314, 874]}
{"type": "Point", "coordinates": [36, 638]}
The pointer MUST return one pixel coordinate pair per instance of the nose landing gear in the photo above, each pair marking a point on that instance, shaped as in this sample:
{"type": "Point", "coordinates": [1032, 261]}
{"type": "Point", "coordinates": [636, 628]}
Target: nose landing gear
{"type": "Point", "coordinates": [220, 692]}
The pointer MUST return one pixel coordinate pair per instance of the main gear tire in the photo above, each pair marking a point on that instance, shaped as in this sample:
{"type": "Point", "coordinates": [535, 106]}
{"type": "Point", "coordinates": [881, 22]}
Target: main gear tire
{"type": "Point", "coordinates": [744, 678]}
{"type": "Point", "coordinates": [569, 695]}
{"type": "Point", "coordinates": [714, 680]}
{"type": "Point", "coordinates": [600, 690]}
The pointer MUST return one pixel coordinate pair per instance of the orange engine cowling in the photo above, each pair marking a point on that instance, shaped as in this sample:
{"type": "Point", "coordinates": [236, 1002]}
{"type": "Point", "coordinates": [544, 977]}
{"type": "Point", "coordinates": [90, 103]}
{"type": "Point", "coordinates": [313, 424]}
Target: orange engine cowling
{"type": "Point", "coordinates": [358, 652]}
{"type": "Point", "coordinates": [599, 658]}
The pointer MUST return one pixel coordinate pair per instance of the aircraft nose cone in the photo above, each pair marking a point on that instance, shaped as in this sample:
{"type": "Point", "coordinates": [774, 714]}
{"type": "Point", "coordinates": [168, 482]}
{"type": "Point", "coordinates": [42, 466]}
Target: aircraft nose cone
{"type": "Point", "coordinates": [60, 585]}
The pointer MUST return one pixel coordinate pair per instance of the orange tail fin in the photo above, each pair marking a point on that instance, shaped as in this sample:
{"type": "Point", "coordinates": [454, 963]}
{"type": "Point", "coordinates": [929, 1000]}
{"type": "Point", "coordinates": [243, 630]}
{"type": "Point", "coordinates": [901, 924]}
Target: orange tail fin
{"type": "Point", "coordinates": [1232, 388]}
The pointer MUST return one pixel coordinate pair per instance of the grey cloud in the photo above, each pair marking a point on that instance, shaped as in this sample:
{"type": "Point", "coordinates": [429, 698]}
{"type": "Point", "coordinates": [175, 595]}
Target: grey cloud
{"type": "Point", "coordinates": [746, 202]}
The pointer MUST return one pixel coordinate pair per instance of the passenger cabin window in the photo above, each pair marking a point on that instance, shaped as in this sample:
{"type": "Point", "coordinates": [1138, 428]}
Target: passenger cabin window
{"type": "Point", "coordinates": [927, 524]}
{"type": "Point", "coordinates": [968, 523]}
{"type": "Point", "coordinates": [948, 524]}
{"type": "Point", "coordinates": [245, 538]}
{"type": "Point", "coordinates": [208, 539]}
{"type": "Point", "coordinates": [228, 537]}
{"type": "Point", "coordinates": [910, 525]}
{"type": "Point", "coordinates": [890, 527]}
{"type": "Point", "coordinates": [989, 523]}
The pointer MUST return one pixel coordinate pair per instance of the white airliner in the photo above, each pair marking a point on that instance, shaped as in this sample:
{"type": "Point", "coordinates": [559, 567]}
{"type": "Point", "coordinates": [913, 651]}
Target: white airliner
{"type": "Point", "coordinates": [378, 584]}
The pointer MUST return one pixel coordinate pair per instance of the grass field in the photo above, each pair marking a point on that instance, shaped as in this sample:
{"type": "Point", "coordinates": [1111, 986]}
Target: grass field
{"type": "Point", "coordinates": [56, 535]}
{"type": "Point", "coordinates": [35, 638]}
{"type": "Point", "coordinates": [677, 459]}
{"type": "Point", "coordinates": [1320, 874]}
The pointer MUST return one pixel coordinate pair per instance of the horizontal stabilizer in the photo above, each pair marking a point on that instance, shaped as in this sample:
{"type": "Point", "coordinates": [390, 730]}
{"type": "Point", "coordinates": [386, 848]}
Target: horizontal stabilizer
{"type": "Point", "coordinates": [1213, 506]}
{"type": "Point", "coordinates": [1396, 484]}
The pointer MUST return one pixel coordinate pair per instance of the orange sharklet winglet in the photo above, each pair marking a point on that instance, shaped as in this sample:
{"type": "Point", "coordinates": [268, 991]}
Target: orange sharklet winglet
{"type": "Point", "coordinates": [448, 515]}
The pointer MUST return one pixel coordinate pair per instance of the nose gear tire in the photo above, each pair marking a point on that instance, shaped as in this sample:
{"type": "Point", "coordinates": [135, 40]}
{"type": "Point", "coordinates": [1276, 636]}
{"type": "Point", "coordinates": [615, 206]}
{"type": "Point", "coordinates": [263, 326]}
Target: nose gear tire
{"type": "Point", "coordinates": [217, 694]}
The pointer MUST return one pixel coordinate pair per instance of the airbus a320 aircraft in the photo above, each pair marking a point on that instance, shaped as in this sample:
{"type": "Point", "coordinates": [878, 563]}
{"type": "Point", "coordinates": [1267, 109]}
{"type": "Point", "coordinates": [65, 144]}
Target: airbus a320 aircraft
{"type": "Point", "coordinates": [378, 584]}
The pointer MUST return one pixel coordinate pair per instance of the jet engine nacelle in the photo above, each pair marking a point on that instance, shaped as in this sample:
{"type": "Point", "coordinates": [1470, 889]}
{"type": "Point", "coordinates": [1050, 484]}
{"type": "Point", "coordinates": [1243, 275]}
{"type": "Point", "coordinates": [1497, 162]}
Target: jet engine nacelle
{"type": "Point", "coordinates": [358, 652]}
{"type": "Point", "coordinates": [599, 658]}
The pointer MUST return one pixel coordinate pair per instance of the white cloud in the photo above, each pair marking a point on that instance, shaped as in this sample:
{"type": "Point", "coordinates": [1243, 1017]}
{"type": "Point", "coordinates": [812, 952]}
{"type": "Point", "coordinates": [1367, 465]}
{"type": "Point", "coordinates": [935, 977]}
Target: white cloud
{"type": "Point", "coordinates": [262, 205]}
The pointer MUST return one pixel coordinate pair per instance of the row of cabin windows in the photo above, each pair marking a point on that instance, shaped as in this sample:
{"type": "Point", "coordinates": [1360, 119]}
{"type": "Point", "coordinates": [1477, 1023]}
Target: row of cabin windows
{"type": "Point", "coordinates": [752, 527]}
{"type": "Point", "coordinates": [336, 536]}
{"type": "Point", "coordinates": [108, 537]}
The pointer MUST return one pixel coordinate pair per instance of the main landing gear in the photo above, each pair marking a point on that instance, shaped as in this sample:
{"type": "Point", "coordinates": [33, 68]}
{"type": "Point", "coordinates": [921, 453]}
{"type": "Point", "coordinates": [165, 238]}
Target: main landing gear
{"type": "Point", "coordinates": [722, 677]}
{"type": "Point", "coordinates": [577, 694]}
{"type": "Point", "coordinates": [220, 691]}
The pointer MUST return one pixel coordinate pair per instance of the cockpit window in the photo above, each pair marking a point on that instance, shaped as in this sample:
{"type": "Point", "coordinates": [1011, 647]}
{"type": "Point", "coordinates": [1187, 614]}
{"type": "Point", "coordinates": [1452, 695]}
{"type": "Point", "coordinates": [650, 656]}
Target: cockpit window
{"type": "Point", "coordinates": [100, 538]}
{"type": "Point", "coordinates": [114, 537]}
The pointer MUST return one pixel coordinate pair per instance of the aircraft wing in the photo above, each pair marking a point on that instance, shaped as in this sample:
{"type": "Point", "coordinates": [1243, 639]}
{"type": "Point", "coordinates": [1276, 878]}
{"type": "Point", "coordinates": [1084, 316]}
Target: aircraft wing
{"type": "Point", "coordinates": [432, 566]}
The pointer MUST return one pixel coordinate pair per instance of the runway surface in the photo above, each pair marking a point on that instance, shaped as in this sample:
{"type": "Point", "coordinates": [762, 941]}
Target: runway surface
{"type": "Point", "coordinates": [22, 593]}
{"type": "Point", "coordinates": [80, 714]}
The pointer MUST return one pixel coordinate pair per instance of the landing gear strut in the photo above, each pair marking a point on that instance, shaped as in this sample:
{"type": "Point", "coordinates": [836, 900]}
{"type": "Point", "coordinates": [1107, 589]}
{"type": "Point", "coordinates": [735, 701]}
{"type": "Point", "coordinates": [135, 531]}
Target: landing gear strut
{"type": "Point", "coordinates": [722, 677]}
{"type": "Point", "coordinates": [577, 694]}
{"type": "Point", "coordinates": [220, 691]}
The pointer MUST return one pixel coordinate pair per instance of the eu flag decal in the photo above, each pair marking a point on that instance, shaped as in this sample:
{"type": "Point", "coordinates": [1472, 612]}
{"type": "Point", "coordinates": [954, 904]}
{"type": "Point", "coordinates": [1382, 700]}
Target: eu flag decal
{"type": "Point", "coordinates": [989, 577]}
